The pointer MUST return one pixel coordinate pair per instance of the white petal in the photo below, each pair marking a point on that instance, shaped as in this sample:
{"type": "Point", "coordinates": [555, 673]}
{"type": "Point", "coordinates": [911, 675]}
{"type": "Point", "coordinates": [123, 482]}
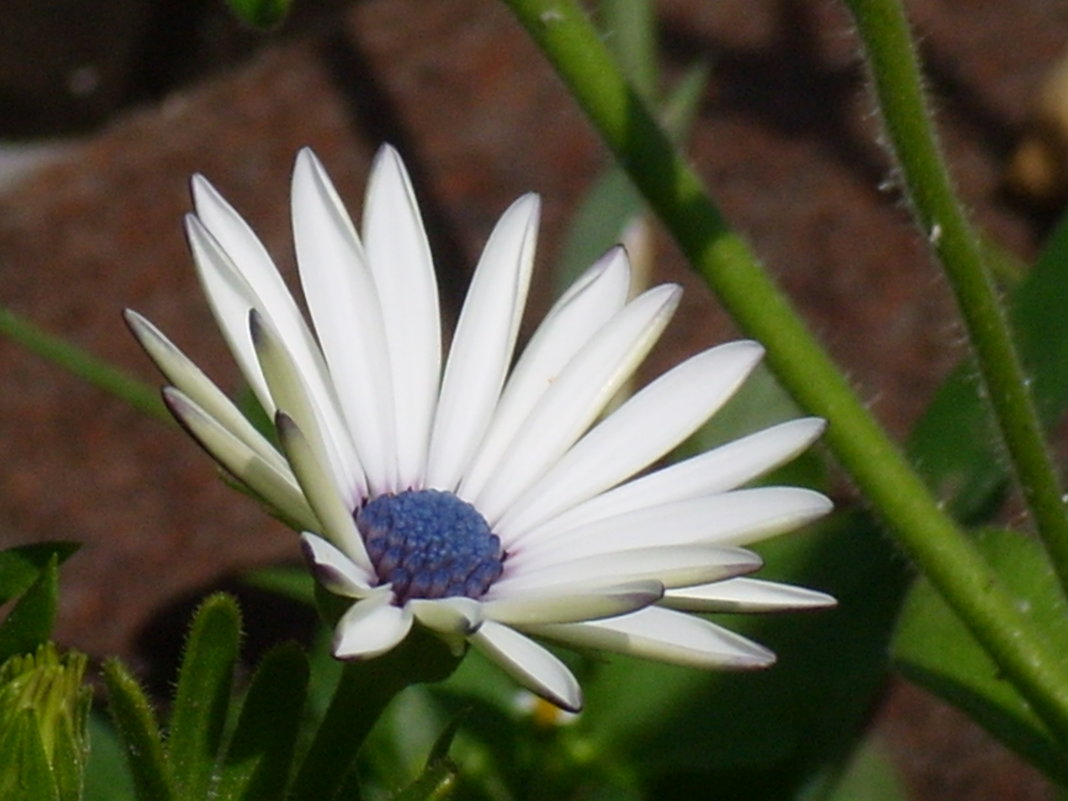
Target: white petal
{"type": "Point", "coordinates": [399, 257]}
{"type": "Point", "coordinates": [344, 305]}
{"type": "Point", "coordinates": [448, 615]}
{"type": "Point", "coordinates": [188, 378]}
{"type": "Point", "coordinates": [718, 470]}
{"type": "Point", "coordinates": [575, 399]}
{"type": "Point", "coordinates": [323, 495]}
{"type": "Point", "coordinates": [235, 288]}
{"type": "Point", "coordinates": [483, 343]}
{"type": "Point", "coordinates": [665, 636]}
{"type": "Point", "coordinates": [276, 486]}
{"type": "Point", "coordinates": [292, 395]}
{"type": "Point", "coordinates": [571, 604]}
{"type": "Point", "coordinates": [643, 429]}
{"type": "Point", "coordinates": [230, 297]}
{"type": "Point", "coordinates": [746, 595]}
{"type": "Point", "coordinates": [731, 518]}
{"type": "Point", "coordinates": [371, 627]}
{"type": "Point", "coordinates": [586, 306]}
{"type": "Point", "coordinates": [333, 569]}
{"type": "Point", "coordinates": [672, 566]}
{"type": "Point", "coordinates": [529, 664]}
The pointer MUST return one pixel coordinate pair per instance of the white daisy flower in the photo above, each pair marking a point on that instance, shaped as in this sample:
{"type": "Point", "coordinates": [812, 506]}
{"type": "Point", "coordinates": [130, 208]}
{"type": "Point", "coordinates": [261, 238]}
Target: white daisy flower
{"type": "Point", "coordinates": [481, 499]}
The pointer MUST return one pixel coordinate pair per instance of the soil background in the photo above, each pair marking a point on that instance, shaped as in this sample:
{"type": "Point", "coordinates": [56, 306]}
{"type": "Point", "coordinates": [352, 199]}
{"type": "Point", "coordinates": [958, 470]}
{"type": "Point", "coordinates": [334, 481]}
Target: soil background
{"type": "Point", "coordinates": [129, 98]}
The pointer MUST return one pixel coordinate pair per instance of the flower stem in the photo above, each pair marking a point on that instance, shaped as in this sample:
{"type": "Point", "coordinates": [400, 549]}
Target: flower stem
{"type": "Point", "coordinates": [82, 364]}
{"type": "Point", "coordinates": [895, 69]}
{"type": "Point", "coordinates": [923, 529]}
{"type": "Point", "coordinates": [363, 691]}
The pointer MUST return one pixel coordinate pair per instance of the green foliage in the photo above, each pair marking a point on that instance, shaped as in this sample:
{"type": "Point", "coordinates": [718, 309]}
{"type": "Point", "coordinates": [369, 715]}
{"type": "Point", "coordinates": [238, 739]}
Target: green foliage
{"type": "Point", "coordinates": [44, 708]}
{"type": "Point", "coordinates": [213, 751]}
{"type": "Point", "coordinates": [934, 649]}
{"type": "Point", "coordinates": [261, 14]}
{"type": "Point", "coordinates": [258, 758]}
{"type": "Point", "coordinates": [203, 695]}
{"type": "Point", "coordinates": [139, 733]}
{"type": "Point", "coordinates": [30, 622]}
{"type": "Point", "coordinates": [955, 444]}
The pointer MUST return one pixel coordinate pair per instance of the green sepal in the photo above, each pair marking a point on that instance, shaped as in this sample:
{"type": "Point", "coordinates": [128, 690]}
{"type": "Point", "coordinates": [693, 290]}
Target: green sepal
{"type": "Point", "coordinates": [935, 650]}
{"type": "Point", "coordinates": [22, 565]}
{"type": "Point", "coordinates": [26, 775]}
{"type": "Point", "coordinates": [202, 698]}
{"type": "Point", "coordinates": [261, 14]}
{"type": "Point", "coordinates": [30, 623]}
{"type": "Point", "coordinates": [139, 734]}
{"type": "Point", "coordinates": [259, 758]}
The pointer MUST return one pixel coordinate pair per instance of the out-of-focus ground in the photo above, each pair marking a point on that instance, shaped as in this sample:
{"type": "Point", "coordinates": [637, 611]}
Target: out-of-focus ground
{"type": "Point", "coordinates": [148, 93]}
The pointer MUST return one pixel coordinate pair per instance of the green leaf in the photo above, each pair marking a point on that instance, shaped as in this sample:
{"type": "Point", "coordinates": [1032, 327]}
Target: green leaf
{"type": "Point", "coordinates": [26, 775]}
{"type": "Point", "coordinates": [261, 14]}
{"type": "Point", "coordinates": [20, 566]}
{"type": "Point", "coordinates": [761, 735]}
{"type": "Point", "coordinates": [869, 776]}
{"type": "Point", "coordinates": [439, 778]}
{"type": "Point", "coordinates": [139, 735]}
{"type": "Point", "coordinates": [612, 201]}
{"type": "Point", "coordinates": [203, 695]}
{"type": "Point", "coordinates": [955, 444]}
{"type": "Point", "coordinates": [259, 757]}
{"type": "Point", "coordinates": [935, 650]}
{"type": "Point", "coordinates": [30, 622]}
{"type": "Point", "coordinates": [294, 583]}
{"type": "Point", "coordinates": [107, 776]}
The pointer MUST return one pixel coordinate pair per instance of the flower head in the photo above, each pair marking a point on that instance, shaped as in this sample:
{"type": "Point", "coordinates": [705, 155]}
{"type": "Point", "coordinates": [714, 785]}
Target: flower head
{"type": "Point", "coordinates": [483, 500]}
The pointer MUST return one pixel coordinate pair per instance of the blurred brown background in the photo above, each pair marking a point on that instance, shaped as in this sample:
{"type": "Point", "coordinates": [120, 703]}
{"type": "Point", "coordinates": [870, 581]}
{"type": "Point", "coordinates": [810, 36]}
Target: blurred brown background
{"type": "Point", "coordinates": [131, 97]}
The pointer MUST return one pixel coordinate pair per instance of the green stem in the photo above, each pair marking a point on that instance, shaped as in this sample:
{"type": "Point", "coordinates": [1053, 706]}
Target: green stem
{"type": "Point", "coordinates": [363, 692]}
{"type": "Point", "coordinates": [895, 69]}
{"type": "Point", "coordinates": [930, 536]}
{"type": "Point", "coordinates": [83, 364]}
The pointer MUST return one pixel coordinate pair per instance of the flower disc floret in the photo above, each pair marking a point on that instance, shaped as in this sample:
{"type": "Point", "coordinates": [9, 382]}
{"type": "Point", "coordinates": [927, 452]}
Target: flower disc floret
{"type": "Point", "coordinates": [430, 544]}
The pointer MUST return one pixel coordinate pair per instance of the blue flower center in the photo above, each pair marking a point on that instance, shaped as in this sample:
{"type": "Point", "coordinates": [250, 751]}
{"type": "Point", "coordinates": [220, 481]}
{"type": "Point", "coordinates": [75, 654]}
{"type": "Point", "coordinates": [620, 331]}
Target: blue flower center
{"type": "Point", "coordinates": [430, 544]}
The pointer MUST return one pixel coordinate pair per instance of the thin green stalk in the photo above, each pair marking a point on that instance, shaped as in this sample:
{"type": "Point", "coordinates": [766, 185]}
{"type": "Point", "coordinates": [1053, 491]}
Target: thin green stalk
{"type": "Point", "coordinates": [363, 692]}
{"type": "Point", "coordinates": [895, 70]}
{"type": "Point", "coordinates": [82, 364]}
{"type": "Point", "coordinates": [931, 537]}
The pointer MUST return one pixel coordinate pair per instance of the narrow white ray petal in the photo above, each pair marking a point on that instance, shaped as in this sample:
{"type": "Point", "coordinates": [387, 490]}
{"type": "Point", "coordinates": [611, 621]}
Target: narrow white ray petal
{"type": "Point", "coordinates": [665, 636]}
{"type": "Point", "coordinates": [323, 494]}
{"type": "Point", "coordinates": [291, 395]}
{"type": "Point", "coordinates": [483, 343]}
{"type": "Point", "coordinates": [718, 470]}
{"type": "Point", "coordinates": [746, 595]}
{"type": "Point", "coordinates": [399, 257]}
{"type": "Point", "coordinates": [448, 615]}
{"type": "Point", "coordinates": [529, 664]}
{"type": "Point", "coordinates": [232, 293]}
{"type": "Point", "coordinates": [344, 306]}
{"type": "Point", "coordinates": [180, 371]}
{"type": "Point", "coordinates": [672, 566]}
{"type": "Point", "coordinates": [587, 305]}
{"type": "Point", "coordinates": [572, 604]}
{"type": "Point", "coordinates": [643, 429]}
{"type": "Point", "coordinates": [371, 627]}
{"type": "Point", "coordinates": [230, 298]}
{"type": "Point", "coordinates": [276, 486]}
{"type": "Point", "coordinates": [333, 569]}
{"type": "Point", "coordinates": [575, 399]}
{"type": "Point", "coordinates": [740, 517]}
